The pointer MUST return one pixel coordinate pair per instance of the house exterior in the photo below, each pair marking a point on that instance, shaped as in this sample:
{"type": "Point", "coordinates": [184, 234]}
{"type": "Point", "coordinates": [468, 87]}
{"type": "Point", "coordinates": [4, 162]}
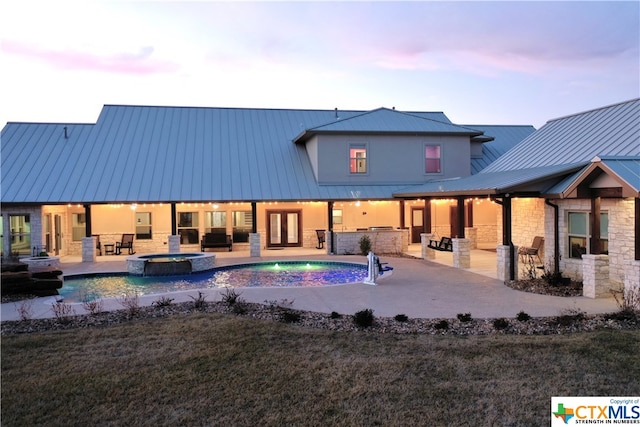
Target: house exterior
{"type": "Point", "coordinates": [267, 177]}
{"type": "Point", "coordinates": [575, 182]}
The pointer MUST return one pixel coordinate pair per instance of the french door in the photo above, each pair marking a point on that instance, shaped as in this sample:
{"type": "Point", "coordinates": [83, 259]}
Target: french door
{"type": "Point", "coordinates": [284, 228]}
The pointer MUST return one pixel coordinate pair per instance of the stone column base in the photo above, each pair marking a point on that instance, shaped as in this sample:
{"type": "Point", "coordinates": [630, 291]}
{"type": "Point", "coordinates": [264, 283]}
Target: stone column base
{"type": "Point", "coordinates": [461, 253]}
{"type": "Point", "coordinates": [427, 252]}
{"type": "Point", "coordinates": [174, 244]}
{"type": "Point", "coordinates": [595, 276]}
{"type": "Point", "coordinates": [88, 249]}
{"type": "Point", "coordinates": [504, 265]}
{"type": "Point", "coordinates": [254, 245]}
{"type": "Point", "coordinates": [471, 233]}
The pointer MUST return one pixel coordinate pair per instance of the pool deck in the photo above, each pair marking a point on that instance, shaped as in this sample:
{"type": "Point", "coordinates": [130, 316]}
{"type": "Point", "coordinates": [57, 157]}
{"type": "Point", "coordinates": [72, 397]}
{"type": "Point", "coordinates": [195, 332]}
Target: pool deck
{"type": "Point", "coordinates": [415, 287]}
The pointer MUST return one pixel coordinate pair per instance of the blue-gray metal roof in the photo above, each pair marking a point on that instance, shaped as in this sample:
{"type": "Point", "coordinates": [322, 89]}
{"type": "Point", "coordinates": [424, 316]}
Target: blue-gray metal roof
{"type": "Point", "coordinates": [609, 131]}
{"type": "Point", "coordinates": [384, 120]}
{"type": "Point", "coordinates": [155, 154]}
{"type": "Point", "coordinates": [521, 181]}
{"type": "Point", "coordinates": [504, 138]}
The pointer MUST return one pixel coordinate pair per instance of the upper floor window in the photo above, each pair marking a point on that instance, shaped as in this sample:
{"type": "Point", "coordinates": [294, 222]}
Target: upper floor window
{"type": "Point", "coordinates": [358, 158]}
{"type": "Point", "coordinates": [432, 160]}
{"type": "Point", "coordinates": [580, 235]}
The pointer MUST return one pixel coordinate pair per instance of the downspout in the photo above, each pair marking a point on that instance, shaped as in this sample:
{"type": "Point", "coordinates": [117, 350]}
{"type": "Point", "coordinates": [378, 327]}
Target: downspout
{"type": "Point", "coordinates": [556, 237]}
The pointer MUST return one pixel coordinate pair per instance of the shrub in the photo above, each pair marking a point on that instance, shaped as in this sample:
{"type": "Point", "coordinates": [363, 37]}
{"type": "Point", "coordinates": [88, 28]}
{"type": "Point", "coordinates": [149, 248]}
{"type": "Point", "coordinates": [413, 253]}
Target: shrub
{"type": "Point", "coordinates": [401, 317]}
{"type": "Point", "coordinates": [230, 297]}
{"type": "Point", "coordinates": [335, 315]}
{"type": "Point", "coordinates": [92, 305]}
{"type": "Point", "coordinates": [628, 299]}
{"type": "Point", "coordinates": [364, 318]}
{"type": "Point", "coordinates": [199, 302]}
{"type": "Point", "coordinates": [62, 311]}
{"type": "Point", "coordinates": [25, 310]}
{"type": "Point", "coordinates": [464, 317]}
{"type": "Point", "coordinates": [289, 316]}
{"type": "Point", "coordinates": [569, 317]}
{"type": "Point", "coordinates": [501, 323]}
{"type": "Point", "coordinates": [442, 324]}
{"type": "Point", "coordinates": [131, 303]}
{"type": "Point", "coordinates": [365, 245]}
{"type": "Point", "coordinates": [162, 302]}
{"type": "Point", "coordinates": [523, 317]}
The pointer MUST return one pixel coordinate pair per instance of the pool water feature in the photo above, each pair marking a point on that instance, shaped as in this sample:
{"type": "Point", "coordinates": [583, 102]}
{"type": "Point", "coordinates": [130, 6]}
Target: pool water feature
{"type": "Point", "coordinates": [280, 274]}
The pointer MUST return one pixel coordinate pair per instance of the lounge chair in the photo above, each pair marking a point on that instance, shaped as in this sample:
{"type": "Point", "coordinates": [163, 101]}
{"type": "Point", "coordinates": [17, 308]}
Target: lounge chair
{"type": "Point", "coordinates": [321, 239]}
{"type": "Point", "coordinates": [126, 242]}
{"type": "Point", "coordinates": [533, 250]}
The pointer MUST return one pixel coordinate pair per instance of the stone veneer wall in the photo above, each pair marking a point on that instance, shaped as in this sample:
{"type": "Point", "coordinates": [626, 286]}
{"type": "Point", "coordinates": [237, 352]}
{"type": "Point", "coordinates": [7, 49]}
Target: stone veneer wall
{"type": "Point", "coordinates": [621, 238]}
{"type": "Point", "coordinates": [528, 217]}
{"type": "Point", "coordinates": [382, 242]}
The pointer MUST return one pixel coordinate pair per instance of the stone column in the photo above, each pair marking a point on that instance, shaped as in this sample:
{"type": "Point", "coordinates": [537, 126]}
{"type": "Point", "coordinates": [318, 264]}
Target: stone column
{"type": "Point", "coordinates": [254, 245]}
{"type": "Point", "coordinates": [632, 275]}
{"type": "Point", "coordinates": [174, 244]}
{"type": "Point", "coordinates": [502, 252]}
{"type": "Point", "coordinates": [461, 253]}
{"type": "Point", "coordinates": [471, 233]}
{"type": "Point", "coordinates": [427, 252]}
{"type": "Point", "coordinates": [88, 249]}
{"type": "Point", "coordinates": [595, 276]}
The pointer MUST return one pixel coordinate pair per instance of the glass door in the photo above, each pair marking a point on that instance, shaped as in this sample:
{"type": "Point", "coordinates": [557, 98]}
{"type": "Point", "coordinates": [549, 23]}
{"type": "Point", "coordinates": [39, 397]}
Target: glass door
{"type": "Point", "coordinates": [284, 228]}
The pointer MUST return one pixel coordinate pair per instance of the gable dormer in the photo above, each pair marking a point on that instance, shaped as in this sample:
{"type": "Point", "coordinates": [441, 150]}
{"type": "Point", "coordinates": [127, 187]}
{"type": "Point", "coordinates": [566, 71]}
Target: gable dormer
{"type": "Point", "coordinates": [387, 146]}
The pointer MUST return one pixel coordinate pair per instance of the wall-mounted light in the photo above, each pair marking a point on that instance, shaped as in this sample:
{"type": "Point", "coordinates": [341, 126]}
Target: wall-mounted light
{"type": "Point", "coordinates": [134, 206]}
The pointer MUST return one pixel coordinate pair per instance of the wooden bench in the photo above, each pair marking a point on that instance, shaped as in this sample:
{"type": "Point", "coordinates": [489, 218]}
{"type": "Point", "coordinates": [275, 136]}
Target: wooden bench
{"type": "Point", "coordinates": [216, 240]}
{"type": "Point", "coordinates": [445, 244]}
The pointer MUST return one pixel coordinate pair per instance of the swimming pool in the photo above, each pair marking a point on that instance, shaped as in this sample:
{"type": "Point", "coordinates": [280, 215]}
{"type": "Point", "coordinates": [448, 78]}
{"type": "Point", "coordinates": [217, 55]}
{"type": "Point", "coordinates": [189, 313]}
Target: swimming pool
{"type": "Point", "coordinates": [278, 274]}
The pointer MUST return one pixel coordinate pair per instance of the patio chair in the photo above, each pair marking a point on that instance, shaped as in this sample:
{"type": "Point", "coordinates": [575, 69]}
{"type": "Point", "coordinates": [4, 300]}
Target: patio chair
{"type": "Point", "coordinates": [98, 244]}
{"type": "Point", "coordinates": [321, 237]}
{"type": "Point", "coordinates": [533, 250]}
{"type": "Point", "coordinates": [126, 242]}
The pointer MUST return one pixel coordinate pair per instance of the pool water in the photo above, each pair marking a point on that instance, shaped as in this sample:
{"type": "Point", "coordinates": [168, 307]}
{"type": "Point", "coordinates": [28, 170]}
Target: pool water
{"type": "Point", "coordinates": [279, 274]}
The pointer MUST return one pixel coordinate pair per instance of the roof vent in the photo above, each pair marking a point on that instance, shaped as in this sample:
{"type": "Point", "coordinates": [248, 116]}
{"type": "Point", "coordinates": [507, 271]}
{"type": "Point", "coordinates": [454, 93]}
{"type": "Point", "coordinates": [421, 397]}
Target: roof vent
{"type": "Point", "coordinates": [337, 118]}
{"type": "Point", "coordinates": [66, 134]}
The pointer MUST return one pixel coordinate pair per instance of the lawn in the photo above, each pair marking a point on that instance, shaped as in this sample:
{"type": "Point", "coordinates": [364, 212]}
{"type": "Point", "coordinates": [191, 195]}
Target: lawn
{"type": "Point", "coordinates": [223, 370]}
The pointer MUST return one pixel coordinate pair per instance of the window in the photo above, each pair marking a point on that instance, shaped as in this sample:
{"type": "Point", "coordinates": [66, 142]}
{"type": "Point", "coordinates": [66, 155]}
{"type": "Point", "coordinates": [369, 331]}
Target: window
{"type": "Point", "coordinates": [215, 222]}
{"type": "Point", "coordinates": [432, 159]}
{"type": "Point", "coordinates": [143, 225]}
{"type": "Point", "coordinates": [358, 158]}
{"type": "Point", "coordinates": [20, 237]}
{"type": "Point", "coordinates": [337, 216]}
{"type": "Point", "coordinates": [242, 226]}
{"type": "Point", "coordinates": [78, 226]}
{"type": "Point", "coordinates": [579, 233]}
{"type": "Point", "coordinates": [188, 227]}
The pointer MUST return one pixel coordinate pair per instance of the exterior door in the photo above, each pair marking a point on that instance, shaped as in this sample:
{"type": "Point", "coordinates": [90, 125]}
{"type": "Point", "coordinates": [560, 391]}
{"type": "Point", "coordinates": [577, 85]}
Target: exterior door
{"type": "Point", "coordinates": [417, 224]}
{"type": "Point", "coordinates": [57, 230]}
{"type": "Point", "coordinates": [284, 229]}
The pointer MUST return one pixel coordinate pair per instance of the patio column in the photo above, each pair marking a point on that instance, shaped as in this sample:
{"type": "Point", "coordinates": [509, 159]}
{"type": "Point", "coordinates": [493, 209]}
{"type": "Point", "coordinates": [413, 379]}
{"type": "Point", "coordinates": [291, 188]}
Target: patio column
{"type": "Point", "coordinates": [426, 212]}
{"type": "Point", "coordinates": [254, 236]}
{"type": "Point", "coordinates": [329, 234]}
{"type": "Point", "coordinates": [427, 252]}
{"type": "Point", "coordinates": [88, 242]}
{"type": "Point", "coordinates": [596, 246]}
{"type": "Point", "coordinates": [402, 214]}
{"type": "Point", "coordinates": [461, 253]}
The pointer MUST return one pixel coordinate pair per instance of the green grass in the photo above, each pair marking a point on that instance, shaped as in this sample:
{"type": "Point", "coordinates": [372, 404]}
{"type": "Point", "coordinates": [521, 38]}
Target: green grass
{"type": "Point", "coordinates": [212, 369]}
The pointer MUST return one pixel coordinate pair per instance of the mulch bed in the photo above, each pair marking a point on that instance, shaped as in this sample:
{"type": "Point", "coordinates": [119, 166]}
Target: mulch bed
{"type": "Point", "coordinates": [540, 286]}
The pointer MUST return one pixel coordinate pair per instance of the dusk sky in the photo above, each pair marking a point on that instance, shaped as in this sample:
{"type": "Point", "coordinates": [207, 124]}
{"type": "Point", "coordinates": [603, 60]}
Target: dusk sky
{"type": "Point", "coordinates": [478, 62]}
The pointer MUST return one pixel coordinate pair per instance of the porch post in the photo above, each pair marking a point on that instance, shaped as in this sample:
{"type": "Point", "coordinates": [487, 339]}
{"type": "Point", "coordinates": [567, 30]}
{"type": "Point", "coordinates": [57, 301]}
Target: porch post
{"type": "Point", "coordinates": [329, 235]}
{"type": "Point", "coordinates": [87, 223]}
{"type": "Point", "coordinates": [174, 223]}
{"type": "Point", "coordinates": [254, 236]}
{"type": "Point", "coordinates": [461, 221]}
{"type": "Point", "coordinates": [174, 239]}
{"type": "Point", "coordinates": [426, 215]}
{"type": "Point", "coordinates": [596, 246]}
{"type": "Point", "coordinates": [402, 213]}
{"type": "Point", "coordinates": [508, 258]}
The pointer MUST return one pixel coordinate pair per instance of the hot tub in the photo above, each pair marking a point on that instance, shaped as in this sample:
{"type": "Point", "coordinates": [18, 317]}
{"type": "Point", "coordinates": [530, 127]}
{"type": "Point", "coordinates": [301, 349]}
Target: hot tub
{"type": "Point", "coordinates": [200, 261]}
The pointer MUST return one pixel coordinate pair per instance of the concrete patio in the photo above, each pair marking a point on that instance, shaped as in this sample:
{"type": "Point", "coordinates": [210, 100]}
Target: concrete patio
{"type": "Point", "coordinates": [415, 287]}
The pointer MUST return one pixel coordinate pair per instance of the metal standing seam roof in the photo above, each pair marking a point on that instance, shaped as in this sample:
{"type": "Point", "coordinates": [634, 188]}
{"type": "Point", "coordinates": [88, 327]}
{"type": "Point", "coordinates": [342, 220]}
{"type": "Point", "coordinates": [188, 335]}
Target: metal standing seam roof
{"type": "Point", "coordinates": [504, 138]}
{"type": "Point", "coordinates": [609, 131]}
{"type": "Point", "coordinates": [384, 120]}
{"type": "Point", "coordinates": [155, 154]}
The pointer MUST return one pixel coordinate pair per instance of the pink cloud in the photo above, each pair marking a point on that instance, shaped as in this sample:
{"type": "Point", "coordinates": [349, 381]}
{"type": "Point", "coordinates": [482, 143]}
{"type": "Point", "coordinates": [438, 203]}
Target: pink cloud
{"type": "Point", "coordinates": [140, 63]}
